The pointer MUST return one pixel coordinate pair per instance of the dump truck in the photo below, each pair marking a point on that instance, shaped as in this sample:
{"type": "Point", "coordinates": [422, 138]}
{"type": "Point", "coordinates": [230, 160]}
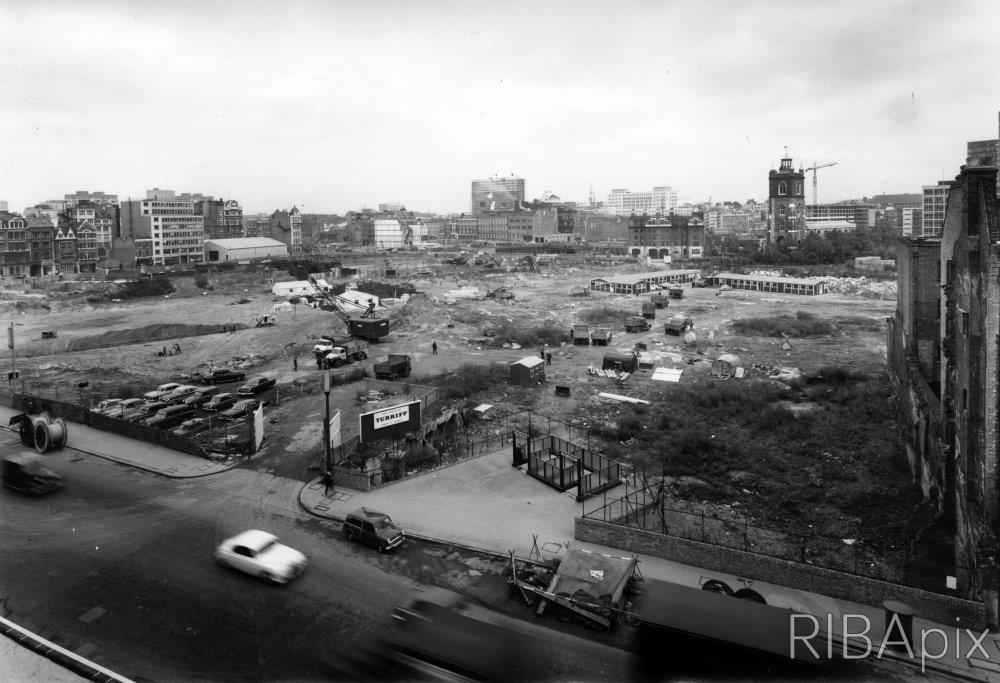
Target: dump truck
{"type": "Point", "coordinates": [649, 311]}
{"type": "Point", "coordinates": [659, 299]}
{"type": "Point", "coordinates": [676, 293]}
{"type": "Point", "coordinates": [394, 367]}
{"type": "Point", "coordinates": [678, 325]}
{"type": "Point", "coordinates": [622, 362]}
{"type": "Point", "coordinates": [344, 352]}
{"type": "Point", "coordinates": [601, 336]}
{"type": "Point", "coordinates": [636, 324]}
{"type": "Point", "coordinates": [580, 334]}
{"type": "Point", "coordinates": [26, 472]}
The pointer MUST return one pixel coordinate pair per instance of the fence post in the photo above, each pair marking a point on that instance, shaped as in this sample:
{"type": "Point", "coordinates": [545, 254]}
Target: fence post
{"type": "Point", "coordinates": [702, 526]}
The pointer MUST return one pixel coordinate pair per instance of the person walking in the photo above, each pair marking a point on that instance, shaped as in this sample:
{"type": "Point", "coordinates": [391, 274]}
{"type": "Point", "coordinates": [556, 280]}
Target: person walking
{"type": "Point", "coordinates": [295, 363]}
{"type": "Point", "coordinates": [434, 348]}
{"type": "Point", "coordinates": [548, 358]}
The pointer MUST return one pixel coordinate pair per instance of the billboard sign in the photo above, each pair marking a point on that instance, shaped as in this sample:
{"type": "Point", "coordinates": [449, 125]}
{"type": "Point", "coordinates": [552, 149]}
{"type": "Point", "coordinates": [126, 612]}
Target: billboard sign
{"type": "Point", "coordinates": [388, 422]}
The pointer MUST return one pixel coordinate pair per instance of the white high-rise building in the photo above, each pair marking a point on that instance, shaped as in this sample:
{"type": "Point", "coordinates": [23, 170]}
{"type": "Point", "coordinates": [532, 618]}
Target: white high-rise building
{"type": "Point", "coordinates": [177, 232]}
{"type": "Point", "coordinates": [662, 200]}
{"type": "Point", "coordinates": [935, 200]}
{"type": "Point", "coordinates": [913, 225]}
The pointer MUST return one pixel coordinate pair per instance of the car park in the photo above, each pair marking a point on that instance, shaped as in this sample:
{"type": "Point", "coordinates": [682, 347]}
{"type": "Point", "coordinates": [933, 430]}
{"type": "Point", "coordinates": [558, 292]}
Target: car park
{"type": "Point", "coordinates": [200, 396]}
{"type": "Point", "coordinates": [256, 386]}
{"type": "Point", "coordinates": [159, 392]}
{"type": "Point", "coordinates": [239, 409]}
{"type": "Point", "coordinates": [196, 425]}
{"type": "Point", "coordinates": [180, 393]}
{"type": "Point", "coordinates": [168, 417]}
{"type": "Point", "coordinates": [259, 554]}
{"type": "Point", "coordinates": [219, 402]}
{"type": "Point", "coordinates": [146, 410]}
{"type": "Point", "coordinates": [373, 528]}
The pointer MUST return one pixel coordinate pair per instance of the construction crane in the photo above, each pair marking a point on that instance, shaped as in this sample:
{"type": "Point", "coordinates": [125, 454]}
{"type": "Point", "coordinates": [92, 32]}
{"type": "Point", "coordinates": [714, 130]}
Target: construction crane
{"type": "Point", "coordinates": [814, 168]}
{"type": "Point", "coordinates": [364, 326]}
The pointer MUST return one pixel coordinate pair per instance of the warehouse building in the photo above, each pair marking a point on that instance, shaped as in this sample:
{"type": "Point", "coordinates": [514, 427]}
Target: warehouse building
{"type": "Point", "coordinates": [243, 249]}
{"type": "Point", "coordinates": [638, 283]}
{"type": "Point", "coordinates": [772, 283]}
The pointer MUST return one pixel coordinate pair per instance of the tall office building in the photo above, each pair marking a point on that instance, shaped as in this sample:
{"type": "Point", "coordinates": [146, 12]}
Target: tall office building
{"type": "Point", "coordinates": [913, 222]}
{"type": "Point", "coordinates": [981, 153]}
{"type": "Point", "coordinates": [176, 231]}
{"type": "Point", "coordinates": [935, 201]}
{"type": "Point", "coordinates": [497, 194]}
{"type": "Point", "coordinates": [661, 201]}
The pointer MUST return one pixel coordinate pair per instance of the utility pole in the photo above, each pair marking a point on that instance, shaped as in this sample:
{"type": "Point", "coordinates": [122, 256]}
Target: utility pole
{"type": "Point", "coordinates": [12, 375]}
{"type": "Point", "coordinates": [327, 475]}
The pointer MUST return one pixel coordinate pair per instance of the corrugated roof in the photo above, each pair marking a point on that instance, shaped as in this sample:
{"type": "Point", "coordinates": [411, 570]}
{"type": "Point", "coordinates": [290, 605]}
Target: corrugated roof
{"type": "Point", "coordinates": [770, 278]}
{"type": "Point", "coordinates": [529, 362]}
{"type": "Point", "coordinates": [633, 278]}
{"type": "Point", "coordinates": [245, 242]}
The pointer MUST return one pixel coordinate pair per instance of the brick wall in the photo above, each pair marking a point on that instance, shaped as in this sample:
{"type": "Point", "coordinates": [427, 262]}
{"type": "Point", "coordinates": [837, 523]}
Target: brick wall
{"type": "Point", "coordinates": [940, 608]}
{"type": "Point", "coordinates": [79, 414]}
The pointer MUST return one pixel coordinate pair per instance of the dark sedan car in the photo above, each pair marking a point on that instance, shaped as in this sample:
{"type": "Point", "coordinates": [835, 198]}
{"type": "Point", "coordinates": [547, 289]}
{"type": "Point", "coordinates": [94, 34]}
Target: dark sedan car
{"type": "Point", "coordinates": [239, 410]}
{"type": "Point", "coordinates": [145, 410]}
{"type": "Point", "coordinates": [200, 396]}
{"type": "Point", "coordinates": [168, 417]}
{"type": "Point", "coordinates": [195, 425]}
{"type": "Point", "coordinates": [219, 402]}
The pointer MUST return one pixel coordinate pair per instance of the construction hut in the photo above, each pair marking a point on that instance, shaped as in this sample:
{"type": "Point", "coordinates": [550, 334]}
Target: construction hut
{"type": "Point", "coordinates": [773, 283]}
{"type": "Point", "coordinates": [725, 365]}
{"type": "Point", "coordinates": [297, 288]}
{"type": "Point", "coordinates": [528, 371]}
{"type": "Point", "coordinates": [638, 283]}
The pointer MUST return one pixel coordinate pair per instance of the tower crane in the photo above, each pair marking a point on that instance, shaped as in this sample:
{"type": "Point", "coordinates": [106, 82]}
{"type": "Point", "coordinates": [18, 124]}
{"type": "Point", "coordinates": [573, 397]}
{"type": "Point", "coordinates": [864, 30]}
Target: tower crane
{"type": "Point", "coordinates": [365, 326]}
{"type": "Point", "coordinates": [814, 168]}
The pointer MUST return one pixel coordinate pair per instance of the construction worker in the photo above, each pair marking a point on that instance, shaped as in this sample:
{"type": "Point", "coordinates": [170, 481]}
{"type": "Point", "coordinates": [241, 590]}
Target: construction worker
{"type": "Point", "coordinates": [548, 358]}
{"type": "Point", "coordinates": [295, 363]}
{"type": "Point", "coordinates": [434, 348]}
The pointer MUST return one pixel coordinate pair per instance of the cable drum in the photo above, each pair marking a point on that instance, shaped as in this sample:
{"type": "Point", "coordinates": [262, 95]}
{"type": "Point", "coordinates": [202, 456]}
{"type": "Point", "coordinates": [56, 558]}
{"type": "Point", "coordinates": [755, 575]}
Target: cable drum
{"type": "Point", "coordinates": [49, 434]}
{"type": "Point", "coordinates": [26, 429]}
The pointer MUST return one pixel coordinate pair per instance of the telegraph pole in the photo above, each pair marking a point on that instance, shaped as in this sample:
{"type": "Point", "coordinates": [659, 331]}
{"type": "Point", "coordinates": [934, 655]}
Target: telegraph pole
{"type": "Point", "coordinates": [12, 375]}
{"type": "Point", "coordinates": [327, 475]}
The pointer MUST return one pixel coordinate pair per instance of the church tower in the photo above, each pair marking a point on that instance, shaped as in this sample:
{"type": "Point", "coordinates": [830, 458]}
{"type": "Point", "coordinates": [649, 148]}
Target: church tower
{"type": "Point", "coordinates": [786, 203]}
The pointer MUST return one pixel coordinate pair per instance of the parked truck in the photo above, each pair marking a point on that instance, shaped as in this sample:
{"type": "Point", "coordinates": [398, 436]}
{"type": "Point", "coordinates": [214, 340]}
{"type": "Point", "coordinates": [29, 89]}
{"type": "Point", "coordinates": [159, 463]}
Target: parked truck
{"type": "Point", "coordinates": [580, 334]}
{"type": "Point", "coordinates": [649, 311]}
{"type": "Point", "coordinates": [394, 367]}
{"type": "Point", "coordinates": [678, 325]}
{"type": "Point", "coordinates": [601, 336]}
{"type": "Point", "coordinates": [676, 293]}
{"type": "Point", "coordinates": [659, 299]}
{"type": "Point", "coordinates": [636, 324]}
{"type": "Point", "coordinates": [345, 352]}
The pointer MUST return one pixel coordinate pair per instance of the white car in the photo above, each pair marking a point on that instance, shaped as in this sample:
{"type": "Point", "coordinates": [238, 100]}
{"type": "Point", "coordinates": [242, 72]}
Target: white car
{"type": "Point", "coordinates": [106, 406]}
{"type": "Point", "coordinates": [258, 553]}
{"type": "Point", "coordinates": [159, 392]}
{"type": "Point", "coordinates": [180, 393]}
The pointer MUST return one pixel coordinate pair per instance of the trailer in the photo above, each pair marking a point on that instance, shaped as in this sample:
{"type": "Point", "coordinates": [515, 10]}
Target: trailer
{"type": "Point", "coordinates": [590, 586]}
{"type": "Point", "coordinates": [601, 336]}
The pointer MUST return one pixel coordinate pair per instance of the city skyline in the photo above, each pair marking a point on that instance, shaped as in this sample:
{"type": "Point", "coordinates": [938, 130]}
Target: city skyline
{"type": "Point", "coordinates": [331, 107]}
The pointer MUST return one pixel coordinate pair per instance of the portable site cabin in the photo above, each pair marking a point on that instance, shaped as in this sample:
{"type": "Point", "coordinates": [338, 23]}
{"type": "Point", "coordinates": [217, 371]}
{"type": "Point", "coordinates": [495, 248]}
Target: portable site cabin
{"type": "Point", "coordinates": [528, 371]}
{"type": "Point", "coordinates": [725, 365]}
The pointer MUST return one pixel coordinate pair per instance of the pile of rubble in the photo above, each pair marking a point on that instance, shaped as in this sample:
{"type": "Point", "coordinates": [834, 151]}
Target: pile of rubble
{"type": "Point", "coordinates": [862, 286]}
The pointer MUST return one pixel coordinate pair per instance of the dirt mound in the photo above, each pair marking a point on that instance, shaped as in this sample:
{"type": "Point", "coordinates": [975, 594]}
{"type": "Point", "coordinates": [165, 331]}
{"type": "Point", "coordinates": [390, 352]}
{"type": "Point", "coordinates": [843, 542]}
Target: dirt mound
{"type": "Point", "coordinates": [139, 335]}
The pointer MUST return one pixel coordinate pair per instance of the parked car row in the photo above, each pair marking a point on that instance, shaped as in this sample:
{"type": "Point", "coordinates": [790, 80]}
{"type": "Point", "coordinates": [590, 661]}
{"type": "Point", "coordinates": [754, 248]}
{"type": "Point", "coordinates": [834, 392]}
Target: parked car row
{"type": "Point", "coordinates": [173, 406]}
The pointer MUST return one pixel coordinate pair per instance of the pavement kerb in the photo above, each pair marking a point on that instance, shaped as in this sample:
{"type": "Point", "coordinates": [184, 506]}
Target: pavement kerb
{"type": "Point", "coordinates": [139, 466]}
{"type": "Point", "coordinates": [58, 655]}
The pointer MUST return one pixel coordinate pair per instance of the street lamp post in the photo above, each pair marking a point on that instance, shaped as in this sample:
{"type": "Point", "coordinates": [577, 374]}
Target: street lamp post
{"type": "Point", "coordinates": [327, 475]}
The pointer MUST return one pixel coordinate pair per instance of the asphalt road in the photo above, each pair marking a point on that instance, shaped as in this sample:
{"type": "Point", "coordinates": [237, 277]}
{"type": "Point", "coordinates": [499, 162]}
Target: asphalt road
{"type": "Point", "coordinates": [118, 567]}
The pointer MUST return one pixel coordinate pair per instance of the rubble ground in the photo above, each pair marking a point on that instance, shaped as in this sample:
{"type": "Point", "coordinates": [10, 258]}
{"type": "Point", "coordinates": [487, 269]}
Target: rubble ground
{"type": "Point", "coordinates": [467, 327]}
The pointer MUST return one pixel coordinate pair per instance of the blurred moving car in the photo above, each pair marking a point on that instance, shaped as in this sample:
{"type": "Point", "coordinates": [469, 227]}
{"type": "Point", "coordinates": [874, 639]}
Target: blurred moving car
{"type": "Point", "coordinates": [195, 425]}
{"type": "Point", "coordinates": [219, 402]}
{"type": "Point", "coordinates": [373, 528]}
{"type": "Point", "coordinates": [159, 392]}
{"type": "Point", "coordinates": [259, 554]}
{"type": "Point", "coordinates": [26, 472]}
{"type": "Point", "coordinates": [239, 409]}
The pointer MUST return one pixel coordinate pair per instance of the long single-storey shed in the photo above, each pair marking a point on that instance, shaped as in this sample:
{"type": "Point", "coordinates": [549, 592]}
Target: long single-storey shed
{"type": "Point", "coordinates": [638, 283]}
{"type": "Point", "coordinates": [773, 283]}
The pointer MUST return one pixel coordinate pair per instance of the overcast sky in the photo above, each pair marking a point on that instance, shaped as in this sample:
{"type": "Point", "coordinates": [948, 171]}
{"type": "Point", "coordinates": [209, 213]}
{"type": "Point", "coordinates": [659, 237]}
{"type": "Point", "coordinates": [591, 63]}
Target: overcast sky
{"type": "Point", "coordinates": [333, 106]}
